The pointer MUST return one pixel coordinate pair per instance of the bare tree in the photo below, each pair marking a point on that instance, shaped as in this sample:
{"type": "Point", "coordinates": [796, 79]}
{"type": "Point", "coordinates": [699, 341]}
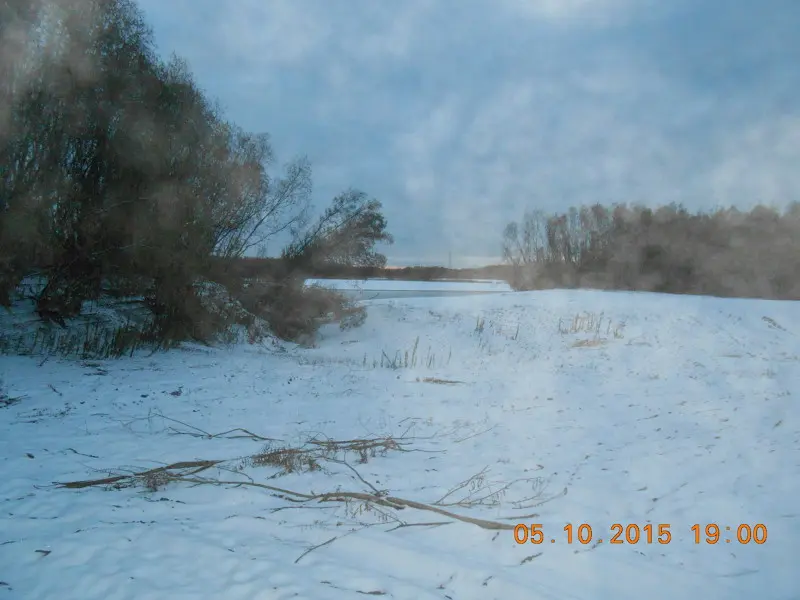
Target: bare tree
{"type": "Point", "coordinates": [525, 243]}
{"type": "Point", "coordinates": [345, 234]}
{"type": "Point", "coordinates": [262, 206]}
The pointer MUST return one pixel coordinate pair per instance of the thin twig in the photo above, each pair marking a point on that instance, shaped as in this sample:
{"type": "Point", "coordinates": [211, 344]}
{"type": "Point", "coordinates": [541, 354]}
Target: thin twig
{"type": "Point", "coordinates": [545, 501]}
{"type": "Point", "coordinates": [519, 517]}
{"type": "Point", "coordinates": [469, 437]}
{"type": "Point", "coordinates": [310, 550]}
{"type": "Point", "coordinates": [82, 454]}
{"type": "Point", "coordinates": [431, 524]}
{"type": "Point", "coordinates": [461, 486]}
{"type": "Point", "coordinates": [351, 532]}
{"type": "Point", "coordinates": [248, 435]}
{"type": "Point", "coordinates": [166, 418]}
{"type": "Point", "coordinates": [364, 481]}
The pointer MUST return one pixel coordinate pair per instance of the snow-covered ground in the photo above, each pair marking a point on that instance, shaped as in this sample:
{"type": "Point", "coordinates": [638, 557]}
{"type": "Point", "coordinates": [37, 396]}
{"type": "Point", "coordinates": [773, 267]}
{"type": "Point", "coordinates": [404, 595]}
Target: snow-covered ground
{"type": "Point", "coordinates": [648, 409]}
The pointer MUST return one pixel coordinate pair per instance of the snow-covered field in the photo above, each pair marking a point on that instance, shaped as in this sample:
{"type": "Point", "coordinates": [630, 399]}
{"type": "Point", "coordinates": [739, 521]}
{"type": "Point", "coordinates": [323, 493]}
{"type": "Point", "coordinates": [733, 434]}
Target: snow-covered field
{"type": "Point", "coordinates": [382, 289]}
{"type": "Point", "coordinates": [470, 286]}
{"type": "Point", "coordinates": [648, 409]}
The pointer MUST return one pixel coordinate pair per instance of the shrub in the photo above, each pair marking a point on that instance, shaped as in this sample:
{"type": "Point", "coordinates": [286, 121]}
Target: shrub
{"type": "Point", "coordinates": [295, 311]}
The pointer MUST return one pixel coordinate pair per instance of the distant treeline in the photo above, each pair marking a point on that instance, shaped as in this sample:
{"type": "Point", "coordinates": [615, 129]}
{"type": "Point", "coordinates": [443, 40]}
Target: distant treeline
{"type": "Point", "coordinates": [272, 268]}
{"type": "Point", "coordinates": [726, 252]}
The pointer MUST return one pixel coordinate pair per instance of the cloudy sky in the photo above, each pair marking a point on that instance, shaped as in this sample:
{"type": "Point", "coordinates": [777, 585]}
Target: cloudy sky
{"type": "Point", "coordinates": [461, 114]}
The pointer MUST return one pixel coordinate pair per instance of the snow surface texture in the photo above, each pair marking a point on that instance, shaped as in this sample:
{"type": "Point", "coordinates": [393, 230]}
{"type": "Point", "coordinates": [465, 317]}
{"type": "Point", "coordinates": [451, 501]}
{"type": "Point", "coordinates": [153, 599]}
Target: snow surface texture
{"type": "Point", "coordinates": [650, 409]}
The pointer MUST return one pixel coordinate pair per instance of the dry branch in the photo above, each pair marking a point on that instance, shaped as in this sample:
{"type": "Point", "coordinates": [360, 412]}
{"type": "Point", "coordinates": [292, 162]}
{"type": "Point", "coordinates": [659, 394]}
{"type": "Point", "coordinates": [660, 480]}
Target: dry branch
{"type": "Point", "coordinates": [306, 458]}
{"type": "Point", "coordinates": [195, 466]}
{"type": "Point", "coordinates": [197, 432]}
{"type": "Point", "coordinates": [246, 434]}
{"type": "Point", "coordinates": [198, 466]}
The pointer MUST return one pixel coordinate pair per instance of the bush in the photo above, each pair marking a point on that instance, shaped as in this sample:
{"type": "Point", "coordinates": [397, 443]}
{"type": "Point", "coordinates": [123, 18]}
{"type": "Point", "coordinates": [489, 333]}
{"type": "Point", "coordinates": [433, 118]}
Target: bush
{"type": "Point", "coordinates": [295, 312]}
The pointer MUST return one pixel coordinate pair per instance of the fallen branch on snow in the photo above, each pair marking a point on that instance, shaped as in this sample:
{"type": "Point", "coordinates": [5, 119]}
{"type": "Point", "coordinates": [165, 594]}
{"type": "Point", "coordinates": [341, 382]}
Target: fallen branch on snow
{"type": "Point", "coordinates": [308, 458]}
{"type": "Point", "coordinates": [198, 466]}
{"type": "Point", "coordinates": [185, 467]}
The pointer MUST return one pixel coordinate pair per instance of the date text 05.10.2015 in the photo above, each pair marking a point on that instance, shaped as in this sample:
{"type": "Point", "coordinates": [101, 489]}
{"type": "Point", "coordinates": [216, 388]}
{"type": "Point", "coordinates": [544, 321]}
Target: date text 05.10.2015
{"type": "Point", "coordinates": [646, 534]}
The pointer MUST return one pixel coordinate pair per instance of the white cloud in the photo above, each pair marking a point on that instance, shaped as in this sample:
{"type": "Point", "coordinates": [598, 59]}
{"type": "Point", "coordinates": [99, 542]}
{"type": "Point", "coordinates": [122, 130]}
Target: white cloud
{"type": "Point", "coordinates": [571, 12]}
{"type": "Point", "coordinates": [758, 164]}
{"type": "Point", "coordinates": [618, 133]}
{"type": "Point", "coordinates": [280, 31]}
{"type": "Point", "coordinates": [389, 33]}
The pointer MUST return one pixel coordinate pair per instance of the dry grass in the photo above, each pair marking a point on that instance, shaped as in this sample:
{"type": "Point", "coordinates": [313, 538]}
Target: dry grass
{"type": "Point", "coordinates": [408, 359]}
{"type": "Point", "coordinates": [311, 455]}
{"type": "Point", "coordinates": [438, 381]}
{"type": "Point", "coordinates": [594, 323]}
{"type": "Point", "coordinates": [287, 460]}
{"type": "Point", "coordinates": [590, 343]}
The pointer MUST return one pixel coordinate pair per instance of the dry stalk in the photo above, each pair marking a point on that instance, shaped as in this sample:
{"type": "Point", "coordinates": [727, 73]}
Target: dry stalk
{"type": "Point", "coordinates": [197, 432]}
{"type": "Point", "coordinates": [484, 493]}
{"type": "Point", "coordinates": [438, 381]}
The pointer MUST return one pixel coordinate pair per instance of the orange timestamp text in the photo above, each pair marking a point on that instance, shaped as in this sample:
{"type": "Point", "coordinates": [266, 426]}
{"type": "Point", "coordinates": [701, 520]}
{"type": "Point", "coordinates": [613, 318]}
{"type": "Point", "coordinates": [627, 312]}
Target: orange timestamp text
{"type": "Point", "coordinates": [645, 534]}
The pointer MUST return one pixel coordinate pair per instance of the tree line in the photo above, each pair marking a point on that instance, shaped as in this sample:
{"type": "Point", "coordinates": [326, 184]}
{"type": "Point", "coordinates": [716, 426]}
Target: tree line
{"type": "Point", "coordinates": [724, 252]}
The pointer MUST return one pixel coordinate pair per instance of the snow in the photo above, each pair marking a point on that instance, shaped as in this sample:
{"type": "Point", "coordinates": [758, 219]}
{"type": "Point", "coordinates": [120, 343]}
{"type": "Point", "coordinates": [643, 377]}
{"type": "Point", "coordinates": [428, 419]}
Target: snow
{"type": "Point", "coordinates": [648, 409]}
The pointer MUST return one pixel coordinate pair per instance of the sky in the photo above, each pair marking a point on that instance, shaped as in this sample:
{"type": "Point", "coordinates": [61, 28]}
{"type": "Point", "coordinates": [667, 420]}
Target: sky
{"type": "Point", "coordinates": [461, 115]}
